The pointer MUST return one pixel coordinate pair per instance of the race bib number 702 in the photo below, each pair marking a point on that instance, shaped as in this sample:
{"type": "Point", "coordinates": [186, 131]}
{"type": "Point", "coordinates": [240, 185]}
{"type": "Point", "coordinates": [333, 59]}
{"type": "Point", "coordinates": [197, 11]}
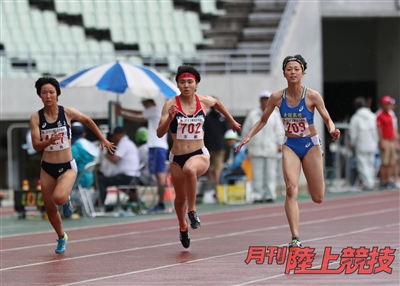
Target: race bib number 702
{"type": "Point", "coordinates": [190, 128]}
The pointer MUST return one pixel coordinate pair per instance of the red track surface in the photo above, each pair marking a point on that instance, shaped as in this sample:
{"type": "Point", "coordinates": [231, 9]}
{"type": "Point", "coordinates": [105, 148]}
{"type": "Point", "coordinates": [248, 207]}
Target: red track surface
{"type": "Point", "coordinates": [149, 252]}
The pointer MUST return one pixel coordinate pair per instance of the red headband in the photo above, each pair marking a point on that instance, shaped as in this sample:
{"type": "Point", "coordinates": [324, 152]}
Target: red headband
{"type": "Point", "coordinates": [186, 74]}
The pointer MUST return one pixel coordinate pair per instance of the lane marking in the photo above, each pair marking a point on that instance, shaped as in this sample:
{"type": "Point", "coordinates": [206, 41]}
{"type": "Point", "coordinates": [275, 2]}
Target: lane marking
{"type": "Point", "coordinates": [204, 238]}
{"type": "Point", "coordinates": [249, 208]}
{"type": "Point", "coordinates": [245, 218]}
{"type": "Point", "coordinates": [219, 256]}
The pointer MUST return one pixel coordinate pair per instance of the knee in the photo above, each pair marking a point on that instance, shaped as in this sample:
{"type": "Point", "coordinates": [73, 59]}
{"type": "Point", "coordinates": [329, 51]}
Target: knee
{"type": "Point", "coordinates": [291, 191]}
{"type": "Point", "coordinates": [59, 200]}
{"type": "Point", "coordinates": [189, 172]}
{"type": "Point", "coordinates": [317, 199]}
{"type": "Point", "coordinates": [180, 201]}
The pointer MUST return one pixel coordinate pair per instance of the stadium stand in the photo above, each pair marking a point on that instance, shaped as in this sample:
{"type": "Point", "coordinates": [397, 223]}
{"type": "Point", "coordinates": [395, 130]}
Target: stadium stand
{"type": "Point", "coordinates": [59, 37]}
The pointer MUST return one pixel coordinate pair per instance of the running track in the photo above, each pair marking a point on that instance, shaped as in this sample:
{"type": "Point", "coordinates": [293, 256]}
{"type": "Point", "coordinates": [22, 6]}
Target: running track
{"type": "Point", "coordinates": [149, 252]}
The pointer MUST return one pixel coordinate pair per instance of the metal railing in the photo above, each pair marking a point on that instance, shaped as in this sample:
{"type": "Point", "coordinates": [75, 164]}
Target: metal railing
{"type": "Point", "coordinates": [206, 61]}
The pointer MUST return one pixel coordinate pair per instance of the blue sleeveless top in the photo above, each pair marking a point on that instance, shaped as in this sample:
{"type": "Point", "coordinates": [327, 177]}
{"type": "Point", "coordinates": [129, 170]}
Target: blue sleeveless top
{"type": "Point", "coordinates": [299, 111]}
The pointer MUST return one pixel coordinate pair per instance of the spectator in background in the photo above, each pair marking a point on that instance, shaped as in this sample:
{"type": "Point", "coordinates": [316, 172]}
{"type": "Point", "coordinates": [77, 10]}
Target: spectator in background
{"type": "Point", "coordinates": [396, 127]}
{"type": "Point", "coordinates": [235, 160]}
{"type": "Point", "coordinates": [387, 141]}
{"type": "Point", "coordinates": [84, 152]}
{"type": "Point", "coordinates": [146, 178]}
{"type": "Point", "coordinates": [158, 147]}
{"type": "Point", "coordinates": [126, 158]}
{"type": "Point", "coordinates": [364, 141]}
{"type": "Point", "coordinates": [263, 151]}
{"type": "Point", "coordinates": [215, 127]}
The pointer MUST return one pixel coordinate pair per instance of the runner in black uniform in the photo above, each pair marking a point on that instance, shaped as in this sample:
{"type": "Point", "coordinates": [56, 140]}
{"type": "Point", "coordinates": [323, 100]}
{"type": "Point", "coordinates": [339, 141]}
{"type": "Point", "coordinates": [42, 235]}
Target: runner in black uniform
{"type": "Point", "coordinates": [184, 115]}
{"type": "Point", "coordinates": [50, 131]}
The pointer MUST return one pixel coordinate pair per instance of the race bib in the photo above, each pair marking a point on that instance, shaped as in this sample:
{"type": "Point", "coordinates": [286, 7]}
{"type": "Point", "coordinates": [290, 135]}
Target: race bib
{"type": "Point", "coordinates": [61, 144]}
{"type": "Point", "coordinates": [190, 128]}
{"type": "Point", "coordinates": [297, 126]}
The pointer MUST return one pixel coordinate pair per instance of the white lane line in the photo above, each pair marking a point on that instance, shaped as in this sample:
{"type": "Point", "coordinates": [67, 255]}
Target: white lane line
{"type": "Point", "coordinates": [201, 239]}
{"type": "Point", "coordinates": [221, 256]}
{"type": "Point", "coordinates": [244, 218]}
{"type": "Point", "coordinates": [314, 207]}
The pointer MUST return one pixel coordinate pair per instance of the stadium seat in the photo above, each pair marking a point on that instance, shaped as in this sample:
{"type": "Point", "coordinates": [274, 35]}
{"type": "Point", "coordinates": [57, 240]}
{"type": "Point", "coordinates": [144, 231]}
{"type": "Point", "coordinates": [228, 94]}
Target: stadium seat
{"type": "Point", "coordinates": [37, 19]}
{"type": "Point", "coordinates": [89, 19]}
{"type": "Point", "coordinates": [131, 36]}
{"type": "Point", "coordinates": [65, 33]}
{"type": "Point", "coordinates": [78, 34]}
{"type": "Point", "coordinates": [61, 6]}
{"type": "Point", "coordinates": [50, 18]}
{"type": "Point", "coordinates": [21, 6]}
{"type": "Point", "coordinates": [87, 6]}
{"type": "Point", "coordinates": [115, 19]}
{"type": "Point", "coordinates": [102, 21]}
{"type": "Point", "coordinates": [210, 8]}
{"type": "Point", "coordinates": [8, 7]}
{"type": "Point", "coordinates": [74, 7]}
{"type": "Point", "coordinates": [117, 34]}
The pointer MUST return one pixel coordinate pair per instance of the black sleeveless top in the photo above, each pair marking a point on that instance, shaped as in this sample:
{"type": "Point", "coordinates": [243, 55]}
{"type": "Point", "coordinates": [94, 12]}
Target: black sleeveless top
{"type": "Point", "coordinates": [60, 126]}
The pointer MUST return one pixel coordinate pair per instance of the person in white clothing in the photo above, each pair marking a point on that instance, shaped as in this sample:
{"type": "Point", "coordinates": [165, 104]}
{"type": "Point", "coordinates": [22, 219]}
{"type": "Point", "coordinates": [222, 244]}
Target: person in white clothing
{"type": "Point", "coordinates": [126, 159]}
{"type": "Point", "coordinates": [158, 147]}
{"type": "Point", "coordinates": [263, 151]}
{"type": "Point", "coordinates": [364, 142]}
{"type": "Point", "coordinates": [146, 178]}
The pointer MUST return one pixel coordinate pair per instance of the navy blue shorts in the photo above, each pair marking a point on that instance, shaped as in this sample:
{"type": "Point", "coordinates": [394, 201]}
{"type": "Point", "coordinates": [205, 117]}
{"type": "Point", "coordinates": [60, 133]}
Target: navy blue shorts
{"type": "Point", "coordinates": [56, 170]}
{"type": "Point", "coordinates": [180, 160]}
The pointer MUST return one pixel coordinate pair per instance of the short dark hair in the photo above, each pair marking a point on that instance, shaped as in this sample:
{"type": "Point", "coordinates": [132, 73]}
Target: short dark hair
{"type": "Point", "coordinates": [296, 58]}
{"type": "Point", "coordinates": [359, 102]}
{"type": "Point", "coordinates": [187, 68]}
{"type": "Point", "coordinates": [117, 130]}
{"type": "Point", "coordinates": [47, 80]}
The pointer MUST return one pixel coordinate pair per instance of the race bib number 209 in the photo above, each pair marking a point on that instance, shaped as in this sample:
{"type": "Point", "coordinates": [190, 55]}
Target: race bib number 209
{"type": "Point", "coordinates": [297, 126]}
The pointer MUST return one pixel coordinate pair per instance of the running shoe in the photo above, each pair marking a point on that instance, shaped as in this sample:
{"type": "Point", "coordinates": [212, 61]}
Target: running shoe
{"type": "Point", "coordinates": [67, 208]}
{"type": "Point", "coordinates": [295, 243]}
{"type": "Point", "coordinates": [61, 244]}
{"type": "Point", "coordinates": [184, 238]}
{"type": "Point", "coordinates": [194, 220]}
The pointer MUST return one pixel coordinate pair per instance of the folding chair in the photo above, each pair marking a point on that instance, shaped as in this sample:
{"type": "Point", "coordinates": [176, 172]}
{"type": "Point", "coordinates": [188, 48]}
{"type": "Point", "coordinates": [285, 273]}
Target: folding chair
{"type": "Point", "coordinates": [87, 194]}
{"type": "Point", "coordinates": [132, 186]}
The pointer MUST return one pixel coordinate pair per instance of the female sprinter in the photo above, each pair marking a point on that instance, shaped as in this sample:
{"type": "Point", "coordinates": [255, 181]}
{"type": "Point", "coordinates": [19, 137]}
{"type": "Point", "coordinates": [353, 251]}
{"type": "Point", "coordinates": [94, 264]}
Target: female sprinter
{"type": "Point", "coordinates": [184, 116]}
{"type": "Point", "coordinates": [51, 132]}
{"type": "Point", "coordinates": [301, 148]}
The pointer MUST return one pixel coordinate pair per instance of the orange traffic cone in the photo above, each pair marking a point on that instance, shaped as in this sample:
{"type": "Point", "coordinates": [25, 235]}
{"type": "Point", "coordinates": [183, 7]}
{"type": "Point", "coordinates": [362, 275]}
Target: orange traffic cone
{"type": "Point", "coordinates": [169, 193]}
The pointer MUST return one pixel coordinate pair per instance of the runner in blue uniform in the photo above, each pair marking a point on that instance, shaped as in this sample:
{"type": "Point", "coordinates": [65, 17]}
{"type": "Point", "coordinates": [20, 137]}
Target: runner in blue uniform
{"type": "Point", "coordinates": [301, 148]}
{"type": "Point", "coordinates": [184, 116]}
{"type": "Point", "coordinates": [51, 133]}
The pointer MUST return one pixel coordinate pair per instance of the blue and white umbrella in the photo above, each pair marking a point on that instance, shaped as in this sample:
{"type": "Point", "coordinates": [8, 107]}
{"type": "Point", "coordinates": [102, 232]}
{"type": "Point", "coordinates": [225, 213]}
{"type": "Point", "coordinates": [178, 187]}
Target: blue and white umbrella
{"type": "Point", "coordinates": [118, 76]}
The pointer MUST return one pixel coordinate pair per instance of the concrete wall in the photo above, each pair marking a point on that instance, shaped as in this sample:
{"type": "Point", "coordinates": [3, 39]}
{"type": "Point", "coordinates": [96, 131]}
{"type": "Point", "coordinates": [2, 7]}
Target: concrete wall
{"type": "Point", "coordinates": [360, 8]}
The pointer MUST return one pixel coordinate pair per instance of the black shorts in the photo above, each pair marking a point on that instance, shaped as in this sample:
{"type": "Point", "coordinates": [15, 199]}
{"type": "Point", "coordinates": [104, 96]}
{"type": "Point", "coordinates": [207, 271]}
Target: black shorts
{"type": "Point", "coordinates": [56, 170]}
{"type": "Point", "coordinates": [180, 160]}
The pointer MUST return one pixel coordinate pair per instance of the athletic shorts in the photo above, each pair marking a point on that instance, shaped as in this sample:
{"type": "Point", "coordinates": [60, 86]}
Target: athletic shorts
{"type": "Point", "coordinates": [56, 170]}
{"type": "Point", "coordinates": [157, 157]}
{"type": "Point", "coordinates": [180, 160]}
{"type": "Point", "coordinates": [301, 145]}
